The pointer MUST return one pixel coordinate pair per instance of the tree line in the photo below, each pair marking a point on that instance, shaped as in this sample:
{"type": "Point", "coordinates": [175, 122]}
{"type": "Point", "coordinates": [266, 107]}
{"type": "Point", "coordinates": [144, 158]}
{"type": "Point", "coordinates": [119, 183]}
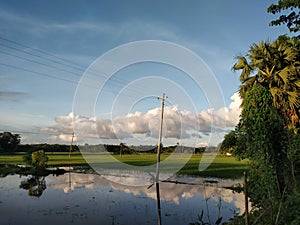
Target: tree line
{"type": "Point", "coordinates": [10, 143]}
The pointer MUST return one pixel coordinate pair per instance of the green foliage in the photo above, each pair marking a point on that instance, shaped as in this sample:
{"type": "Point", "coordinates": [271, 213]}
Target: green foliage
{"type": "Point", "coordinates": [293, 156]}
{"type": "Point", "coordinates": [292, 19]}
{"type": "Point", "coordinates": [9, 141]}
{"type": "Point", "coordinates": [37, 159]}
{"type": "Point", "coordinates": [260, 126]}
{"type": "Point", "coordinates": [291, 210]}
{"type": "Point", "coordinates": [27, 159]}
{"type": "Point", "coordinates": [261, 138]}
{"type": "Point", "coordinates": [273, 151]}
{"type": "Point", "coordinates": [229, 142]}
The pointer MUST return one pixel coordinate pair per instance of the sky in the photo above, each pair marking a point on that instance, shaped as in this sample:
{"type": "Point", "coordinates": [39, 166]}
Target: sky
{"type": "Point", "coordinates": [97, 68]}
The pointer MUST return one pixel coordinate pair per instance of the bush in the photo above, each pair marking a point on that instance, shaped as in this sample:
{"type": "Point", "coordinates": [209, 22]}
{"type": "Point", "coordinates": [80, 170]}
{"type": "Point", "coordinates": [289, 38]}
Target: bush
{"type": "Point", "coordinates": [37, 159]}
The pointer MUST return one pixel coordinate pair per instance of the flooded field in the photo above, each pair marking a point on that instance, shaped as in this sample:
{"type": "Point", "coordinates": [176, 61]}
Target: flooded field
{"type": "Point", "coordinates": [79, 198]}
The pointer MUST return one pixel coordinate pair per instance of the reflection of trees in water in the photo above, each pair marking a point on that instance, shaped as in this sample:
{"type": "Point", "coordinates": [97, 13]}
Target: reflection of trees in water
{"type": "Point", "coordinates": [35, 185]}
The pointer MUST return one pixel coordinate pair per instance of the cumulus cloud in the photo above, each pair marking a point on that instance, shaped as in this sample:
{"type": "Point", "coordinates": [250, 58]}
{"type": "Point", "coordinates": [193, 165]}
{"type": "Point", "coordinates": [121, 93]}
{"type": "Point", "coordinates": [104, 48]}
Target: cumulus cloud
{"type": "Point", "coordinates": [231, 113]}
{"type": "Point", "coordinates": [178, 124]}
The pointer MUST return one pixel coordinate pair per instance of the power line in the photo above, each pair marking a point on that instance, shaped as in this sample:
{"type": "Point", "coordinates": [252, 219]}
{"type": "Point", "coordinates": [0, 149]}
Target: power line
{"type": "Point", "coordinates": [38, 73]}
{"type": "Point", "coordinates": [39, 56]}
{"type": "Point", "coordinates": [62, 79]}
{"type": "Point", "coordinates": [45, 58]}
{"type": "Point", "coordinates": [82, 69]}
{"type": "Point", "coordinates": [41, 51]}
{"type": "Point", "coordinates": [66, 80]}
{"type": "Point", "coordinates": [92, 72]}
{"type": "Point", "coordinates": [114, 80]}
{"type": "Point", "coordinates": [52, 55]}
{"type": "Point", "coordinates": [40, 63]}
{"type": "Point", "coordinates": [43, 64]}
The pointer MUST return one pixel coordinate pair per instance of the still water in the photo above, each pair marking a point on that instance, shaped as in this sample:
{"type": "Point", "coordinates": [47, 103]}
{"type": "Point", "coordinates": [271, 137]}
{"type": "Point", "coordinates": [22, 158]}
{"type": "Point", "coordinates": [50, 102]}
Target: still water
{"type": "Point", "coordinates": [78, 198]}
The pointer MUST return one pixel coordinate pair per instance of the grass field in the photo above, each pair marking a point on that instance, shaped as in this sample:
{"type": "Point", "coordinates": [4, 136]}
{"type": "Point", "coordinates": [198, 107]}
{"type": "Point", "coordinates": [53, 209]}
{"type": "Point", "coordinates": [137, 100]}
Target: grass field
{"type": "Point", "coordinates": [221, 167]}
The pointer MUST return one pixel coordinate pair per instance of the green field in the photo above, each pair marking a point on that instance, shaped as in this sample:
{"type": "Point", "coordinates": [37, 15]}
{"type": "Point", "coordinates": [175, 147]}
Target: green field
{"type": "Point", "coordinates": [221, 167]}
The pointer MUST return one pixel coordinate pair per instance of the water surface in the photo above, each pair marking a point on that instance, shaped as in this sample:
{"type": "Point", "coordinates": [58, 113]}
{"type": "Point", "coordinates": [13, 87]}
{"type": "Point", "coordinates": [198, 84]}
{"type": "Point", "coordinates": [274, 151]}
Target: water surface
{"type": "Point", "coordinates": [78, 198]}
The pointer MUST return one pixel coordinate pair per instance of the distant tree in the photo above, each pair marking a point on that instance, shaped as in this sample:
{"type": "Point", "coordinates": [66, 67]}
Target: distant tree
{"type": "Point", "coordinates": [229, 142]}
{"type": "Point", "coordinates": [200, 149]}
{"type": "Point", "coordinates": [122, 148]}
{"type": "Point", "coordinates": [9, 141]}
{"type": "Point", "coordinates": [291, 19]}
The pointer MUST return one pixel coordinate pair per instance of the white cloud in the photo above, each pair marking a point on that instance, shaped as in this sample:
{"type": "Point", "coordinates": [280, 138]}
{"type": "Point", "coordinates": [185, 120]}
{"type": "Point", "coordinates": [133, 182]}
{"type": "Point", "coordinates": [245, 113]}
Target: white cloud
{"type": "Point", "coordinates": [178, 124]}
{"type": "Point", "coordinates": [235, 109]}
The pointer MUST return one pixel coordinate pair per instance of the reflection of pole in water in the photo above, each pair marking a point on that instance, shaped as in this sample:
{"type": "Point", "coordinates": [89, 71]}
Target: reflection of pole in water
{"type": "Point", "coordinates": [71, 148]}
{"type": "Point", "coordinates": [158, 204]}
{"type": "Point", "coordinates": [70, 181]}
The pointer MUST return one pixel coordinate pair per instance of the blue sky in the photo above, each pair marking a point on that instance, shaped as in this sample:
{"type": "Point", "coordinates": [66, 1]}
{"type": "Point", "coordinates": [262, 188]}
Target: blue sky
{"type": "Point", "coordinates": [46, 46]}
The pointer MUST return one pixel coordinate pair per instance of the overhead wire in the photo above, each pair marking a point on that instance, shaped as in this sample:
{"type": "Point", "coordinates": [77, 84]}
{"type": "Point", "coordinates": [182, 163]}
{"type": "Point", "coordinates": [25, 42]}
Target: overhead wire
{"type": "Point", "coordinates": [82, 69]}
{"type": "Point", "coordinates": [39, 63]}
{"type": "Point", "coordinates": [114, 81]}
{"type": "Point", "coordinates": [43, 52]}
{"type": "Point", "coordinates": [38, 73]}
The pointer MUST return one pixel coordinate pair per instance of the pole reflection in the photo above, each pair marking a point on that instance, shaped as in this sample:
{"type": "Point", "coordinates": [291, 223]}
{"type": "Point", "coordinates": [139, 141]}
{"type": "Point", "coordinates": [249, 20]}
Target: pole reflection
{"type": "Point", "coordinates": [158, 204]}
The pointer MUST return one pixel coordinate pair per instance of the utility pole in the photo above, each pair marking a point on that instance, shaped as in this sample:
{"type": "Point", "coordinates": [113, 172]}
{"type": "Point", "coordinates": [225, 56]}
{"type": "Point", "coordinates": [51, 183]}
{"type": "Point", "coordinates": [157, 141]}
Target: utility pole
{"type": "Point", "coordinates": [160, 134]}
{"type": "Point", "coordinates": [71, 146]}
{"type": "Point", "coordinates": [158, 156]}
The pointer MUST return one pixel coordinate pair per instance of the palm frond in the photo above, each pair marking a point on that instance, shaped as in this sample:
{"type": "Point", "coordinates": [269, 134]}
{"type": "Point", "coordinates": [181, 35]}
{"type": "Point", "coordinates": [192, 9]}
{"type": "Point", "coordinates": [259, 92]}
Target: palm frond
{"type": "Point", "coordinates": [284, 75]}
{"type": "Point", "coordinates": [297, 83]}
{"type": "Point", "coordinates": [293, 98]}
{"type": "Point", "coordinates": [267, 73]}
{"type": "Point", "coordinates": [242, 64]}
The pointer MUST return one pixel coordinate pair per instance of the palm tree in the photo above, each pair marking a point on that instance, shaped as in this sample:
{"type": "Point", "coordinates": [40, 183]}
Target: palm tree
{"type": "Point", "coordinates": [275, 66]}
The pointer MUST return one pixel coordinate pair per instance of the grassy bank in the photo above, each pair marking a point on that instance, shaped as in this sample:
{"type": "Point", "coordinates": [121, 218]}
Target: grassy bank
{"type": "Point", "coordinates": [221, 167]}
